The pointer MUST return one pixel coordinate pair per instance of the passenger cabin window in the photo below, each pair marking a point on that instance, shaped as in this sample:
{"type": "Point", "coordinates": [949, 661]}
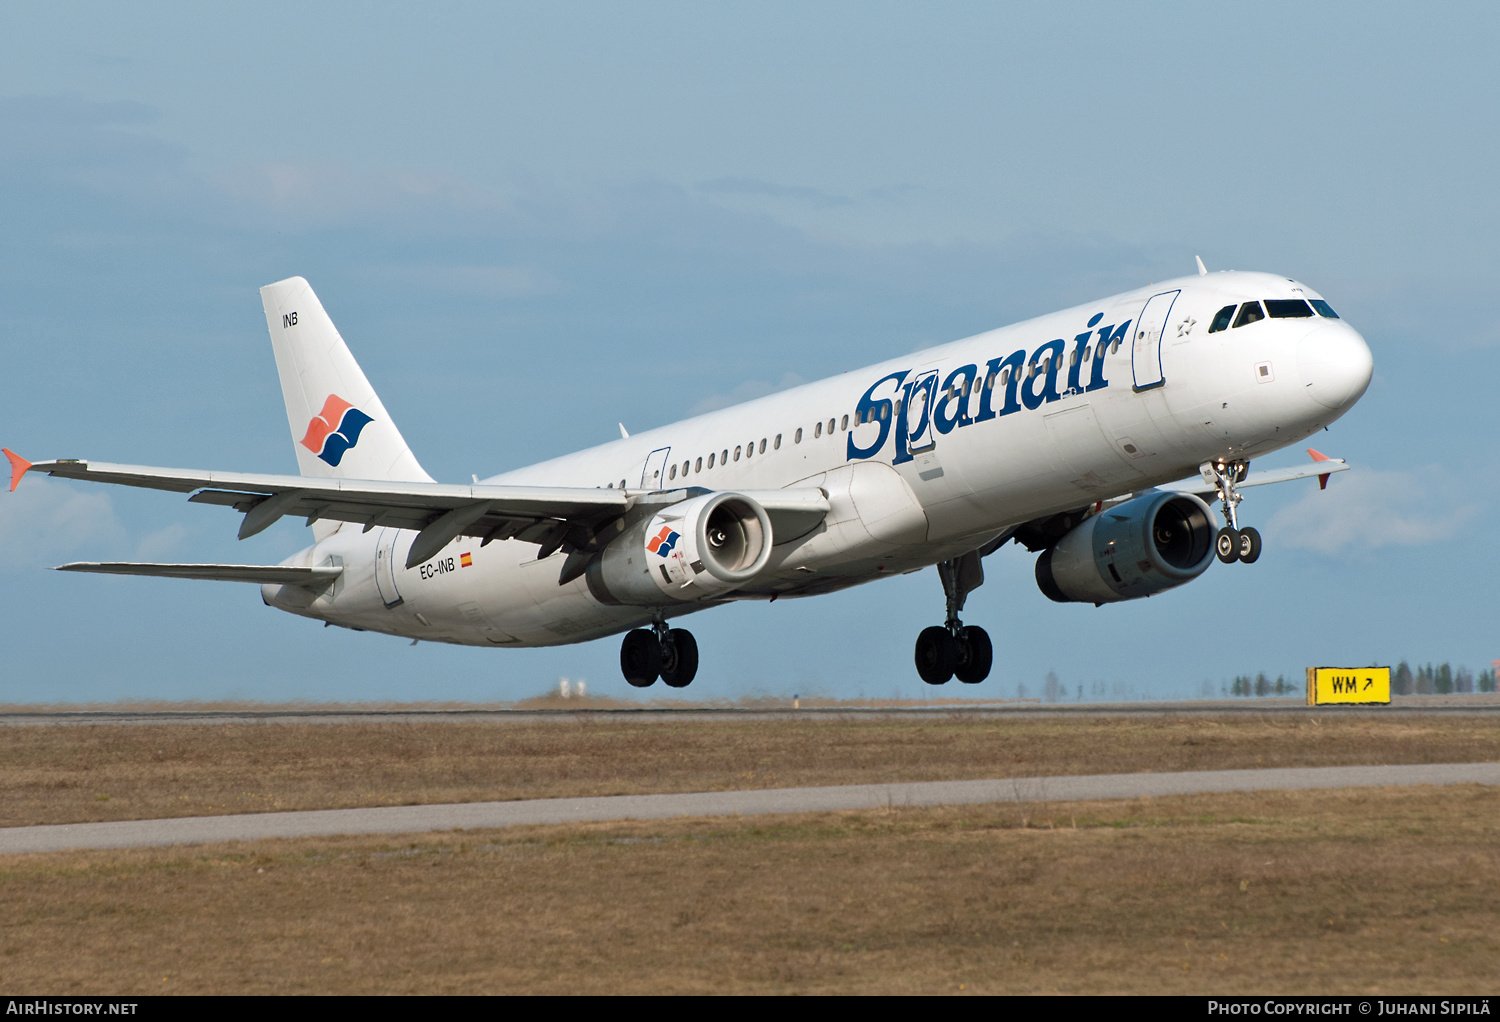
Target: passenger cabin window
{"type": "Point", "coordinates": [762, 445]}
{"type": "Point", "coordinates": [724, 456]}
{"type": "Point", "coordinates": [750, 449]}
{"type": "Point", "coordinates": [844, 422]}
{"type": "Point", "coordinates": [672, 473]}
{"type": "Point", "coordinates": [1288, 308]}
{"type": "Point", "coordinates": [830, 427]}
{"type": "Point", "coordinates": [1221, 319]}
{"type": "Point", "coordinates": [797, 436]}
{"type": "Point", "coordinates": [776, 444]}
{"type": "Point", "coordinates": [736, 454]}
{"type": "Point", "coordinates": [817, 429]}
{"type": "Point", "coordinates": [1324, 309]}
{"type": "Point", "coordinates": [1249, 313]}
{"type": "Point", "coordinates": [710, 461]}
{"type": "Point", "coordinates": [698, 465]}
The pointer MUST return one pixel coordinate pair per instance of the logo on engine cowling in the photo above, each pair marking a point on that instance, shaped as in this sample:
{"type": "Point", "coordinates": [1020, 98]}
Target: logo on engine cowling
{"type": "Point", "coordinates": [663, 542]}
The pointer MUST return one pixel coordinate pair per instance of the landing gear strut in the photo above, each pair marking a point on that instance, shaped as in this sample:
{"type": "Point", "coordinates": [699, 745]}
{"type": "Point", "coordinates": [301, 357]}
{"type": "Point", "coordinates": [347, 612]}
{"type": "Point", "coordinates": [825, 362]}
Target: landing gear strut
{"type": "Point", "coordinates": [670, 654]}
{"type": "Point", "coordinates": [1232, 543]}
{"type": "Point", "coordinates": [954, 649]}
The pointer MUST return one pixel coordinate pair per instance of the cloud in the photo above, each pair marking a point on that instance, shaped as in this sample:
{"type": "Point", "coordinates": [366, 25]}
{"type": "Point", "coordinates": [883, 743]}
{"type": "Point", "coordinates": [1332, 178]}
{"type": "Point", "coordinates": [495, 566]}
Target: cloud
{"type": "Point", "coordinates": [1367, 509]}
{"type": "Point", "coordinates": [501, 281]}
{"type": "Point", "coordinates": [306, 194]}
{"type": "Point", "coordinates": [48, 111]}
{"type": "Point", "coordinates": [43, 520]}
{"type": "Point", "coordinates": [747, 391]}
{"type": "Point", "coordinates": [157, 545]}
{"type": "Point", "coordinates": [750, 186]}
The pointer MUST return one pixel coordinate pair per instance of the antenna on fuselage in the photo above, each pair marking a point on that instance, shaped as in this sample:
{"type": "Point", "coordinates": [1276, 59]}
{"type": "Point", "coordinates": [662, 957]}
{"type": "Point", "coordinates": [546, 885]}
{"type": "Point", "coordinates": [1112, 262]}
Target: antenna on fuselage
{"type": "Point", "coordinates": [1202, 270]}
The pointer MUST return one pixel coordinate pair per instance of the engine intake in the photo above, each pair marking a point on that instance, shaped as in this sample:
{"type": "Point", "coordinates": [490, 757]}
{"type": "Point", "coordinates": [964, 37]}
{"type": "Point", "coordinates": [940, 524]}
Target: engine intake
{"type": "Point", "coordinates": [1144, 546]}
{"type": "Point", "coordinates": [689, 551]}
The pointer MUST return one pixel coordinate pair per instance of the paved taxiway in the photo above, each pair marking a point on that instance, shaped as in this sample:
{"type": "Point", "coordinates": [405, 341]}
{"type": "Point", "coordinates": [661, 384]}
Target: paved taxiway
{"type": "Point", "coordinates": [471, 815]}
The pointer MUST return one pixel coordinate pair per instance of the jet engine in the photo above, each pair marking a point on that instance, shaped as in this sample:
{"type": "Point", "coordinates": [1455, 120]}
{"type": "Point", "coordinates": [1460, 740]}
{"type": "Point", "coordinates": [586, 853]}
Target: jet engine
{"type": "Point", "coordinates": [1144, 546]}
{"type": "Point", "coordinates": [693, 550]}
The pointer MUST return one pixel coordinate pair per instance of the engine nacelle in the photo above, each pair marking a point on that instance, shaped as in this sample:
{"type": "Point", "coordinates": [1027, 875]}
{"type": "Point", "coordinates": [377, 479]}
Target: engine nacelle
{"type": "Point", "coordinates": [1141, 547]}
{"type": "Point", "coordinates": [689, 551]}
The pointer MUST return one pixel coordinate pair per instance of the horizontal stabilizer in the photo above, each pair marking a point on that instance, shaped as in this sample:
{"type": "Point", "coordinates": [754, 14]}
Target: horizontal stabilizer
{"type": "Point", "coordinates": [275, 574]}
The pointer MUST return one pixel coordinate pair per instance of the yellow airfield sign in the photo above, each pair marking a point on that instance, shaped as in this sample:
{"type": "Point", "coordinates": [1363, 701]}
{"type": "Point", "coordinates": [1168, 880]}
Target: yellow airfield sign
{"type": "Point", "coordinates": [1348, 685]}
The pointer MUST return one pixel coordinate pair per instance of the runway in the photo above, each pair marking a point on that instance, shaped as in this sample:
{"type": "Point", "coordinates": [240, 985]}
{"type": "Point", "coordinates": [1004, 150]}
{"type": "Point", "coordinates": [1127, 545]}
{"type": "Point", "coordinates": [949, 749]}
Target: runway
{"type": "Point", "coordinates": [479, 815]}
{"type": "Point", "coordinates": [1484, 705]}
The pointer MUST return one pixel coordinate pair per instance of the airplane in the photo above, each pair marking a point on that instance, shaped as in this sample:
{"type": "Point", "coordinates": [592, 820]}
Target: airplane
{"type": "Point", "coordinates": [1093, 437]}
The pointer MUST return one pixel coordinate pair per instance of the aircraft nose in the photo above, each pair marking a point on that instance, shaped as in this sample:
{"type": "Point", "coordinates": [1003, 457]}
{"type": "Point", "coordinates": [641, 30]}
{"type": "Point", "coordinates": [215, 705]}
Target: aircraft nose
{"type": "Point", "coordinates": [1336, 365]}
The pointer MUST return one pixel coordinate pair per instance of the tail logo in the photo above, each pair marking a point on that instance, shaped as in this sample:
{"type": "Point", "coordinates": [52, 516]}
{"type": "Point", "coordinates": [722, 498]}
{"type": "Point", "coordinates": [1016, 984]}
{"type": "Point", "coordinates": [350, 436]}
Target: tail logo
{"type": "Point", "coordinates": [335, 429]}
{"type": "Point", "coordinates": [663, 542]}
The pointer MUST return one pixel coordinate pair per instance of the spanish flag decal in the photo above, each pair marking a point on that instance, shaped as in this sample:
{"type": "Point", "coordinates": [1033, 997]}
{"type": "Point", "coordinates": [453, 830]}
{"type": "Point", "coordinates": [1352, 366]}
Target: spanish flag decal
{"type": "Point", "coordinates": [464, 560]}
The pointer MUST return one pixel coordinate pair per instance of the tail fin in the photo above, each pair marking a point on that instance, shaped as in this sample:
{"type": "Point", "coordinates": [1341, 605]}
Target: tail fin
{"type": "Point", "coordinates": [339, 427]}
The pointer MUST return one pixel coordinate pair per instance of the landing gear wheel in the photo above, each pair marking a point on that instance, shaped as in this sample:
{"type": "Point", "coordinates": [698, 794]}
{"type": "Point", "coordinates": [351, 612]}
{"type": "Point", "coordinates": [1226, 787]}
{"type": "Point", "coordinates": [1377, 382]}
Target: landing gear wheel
{"type": "Point", "coordinates": [975, 642]}
{"type": "Point", "coordinates": [640, 657]}
{"type": "Point", "coordinates": [1249, 545]}
{"type": "Point", "coordinates": [937, 654]}
{"type": "Point", "coordinates": [680, 662]}
{"type": "Point", "coordinates": [1227, 545]}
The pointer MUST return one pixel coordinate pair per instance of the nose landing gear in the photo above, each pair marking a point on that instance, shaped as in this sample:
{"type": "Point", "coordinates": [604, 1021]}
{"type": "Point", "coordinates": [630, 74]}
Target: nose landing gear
{"type": "Point", "coordinates": [954, 649]}
{"type": "Point", "coordinates": [670, 654]}
{"type": "Point", "coordinates": [1232, 543]}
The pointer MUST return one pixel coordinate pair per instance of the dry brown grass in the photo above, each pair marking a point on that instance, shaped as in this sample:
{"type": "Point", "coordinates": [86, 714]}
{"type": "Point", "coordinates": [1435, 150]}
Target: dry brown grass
{"type": "Point", "coordinates": [66, 774]}
{"type": "Point", "coordinates": [1361, 891]}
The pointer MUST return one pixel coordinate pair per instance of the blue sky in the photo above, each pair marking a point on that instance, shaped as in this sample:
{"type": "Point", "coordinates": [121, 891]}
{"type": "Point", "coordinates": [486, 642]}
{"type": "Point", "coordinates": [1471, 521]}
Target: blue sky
{"type": "Point", "coordinates": [518, 215]}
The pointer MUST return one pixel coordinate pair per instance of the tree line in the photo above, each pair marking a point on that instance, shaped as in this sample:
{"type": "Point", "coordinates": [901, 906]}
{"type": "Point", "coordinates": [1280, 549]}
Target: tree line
{"type": "Point", "coordinates": [1440, 680]}
{"type": "Point", "coordinates": [1443, 679]}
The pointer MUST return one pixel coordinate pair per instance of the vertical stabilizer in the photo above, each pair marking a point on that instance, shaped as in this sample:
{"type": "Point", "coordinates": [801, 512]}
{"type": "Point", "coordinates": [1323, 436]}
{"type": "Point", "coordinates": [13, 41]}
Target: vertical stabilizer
{"type": "Point", "coordinates": [339, 427]}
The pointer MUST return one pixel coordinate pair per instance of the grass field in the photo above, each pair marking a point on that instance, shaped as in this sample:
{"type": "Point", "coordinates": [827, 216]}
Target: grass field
{"type": "Point", "coordinates": [1368, 891]}
{"type": "Point", "coordinates": [67, 774]}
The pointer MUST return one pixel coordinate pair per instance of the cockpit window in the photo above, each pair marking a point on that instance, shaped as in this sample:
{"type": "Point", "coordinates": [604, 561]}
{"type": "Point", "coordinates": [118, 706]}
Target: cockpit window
{"type": "Point", "coordinates": [1221, 321]}
{"type": "Point", "coordinates": [1287, 308]}
{"type": "Point", "coordinates": [1249, 313]}
{"type": "Point", "coordinates": [1324, 309]}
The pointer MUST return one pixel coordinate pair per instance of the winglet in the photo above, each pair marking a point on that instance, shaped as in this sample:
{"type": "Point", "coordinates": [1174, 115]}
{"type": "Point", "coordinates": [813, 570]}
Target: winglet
{"type": "Point", "coordinates": [18, 467]}
{"type": "Point", "coordinates": [1202, 270]}
{"type": "Point", "coordinates": [1320, 456]}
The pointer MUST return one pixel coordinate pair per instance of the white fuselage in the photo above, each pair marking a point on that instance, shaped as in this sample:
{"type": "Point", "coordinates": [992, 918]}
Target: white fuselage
{"type": "Point", "coordinates": [923, 457]}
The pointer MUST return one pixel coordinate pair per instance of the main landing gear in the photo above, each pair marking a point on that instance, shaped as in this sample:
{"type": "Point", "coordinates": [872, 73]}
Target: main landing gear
{"type": "Point", "coordinates": [954, 649]}
{"type": "Point", "coordinates": [670, 654]}
{"type": "Point", "coordinates": [1232, 543]}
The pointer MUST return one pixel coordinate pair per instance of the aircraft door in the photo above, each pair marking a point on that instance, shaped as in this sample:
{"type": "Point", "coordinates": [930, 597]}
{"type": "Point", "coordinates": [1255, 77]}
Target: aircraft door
{"type": "Point", "coordinates": [385, 567]}
{"type": "Point", "coordinates": [1145, 348]}
{"type": "Point", "coordinates": [915, 433]}
{"type": "Point", "coordinates": [653, 476]}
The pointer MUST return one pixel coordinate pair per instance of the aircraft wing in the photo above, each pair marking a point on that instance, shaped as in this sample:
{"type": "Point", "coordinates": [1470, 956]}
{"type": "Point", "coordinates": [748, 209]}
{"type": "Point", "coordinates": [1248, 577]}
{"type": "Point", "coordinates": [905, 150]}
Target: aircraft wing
{"type": "Point", "coordinates": [554, 517]}
{"type": "Point", "coordinates": [280, 574]}
{"type": "Point", "coordinates": [1322, 467]}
